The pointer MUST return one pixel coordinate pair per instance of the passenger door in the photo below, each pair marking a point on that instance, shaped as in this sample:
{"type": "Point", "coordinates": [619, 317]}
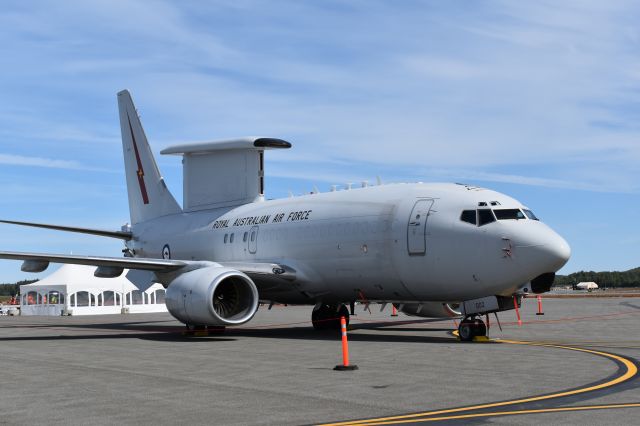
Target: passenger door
{"type": "Point", "coordinates": [417, 228]}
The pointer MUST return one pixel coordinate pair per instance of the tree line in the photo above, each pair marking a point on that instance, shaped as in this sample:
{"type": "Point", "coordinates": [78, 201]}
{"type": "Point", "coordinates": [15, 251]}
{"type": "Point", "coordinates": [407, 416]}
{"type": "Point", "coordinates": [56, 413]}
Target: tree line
{"type": "Point", "coordinates": [11, 289]}
{"type": "Point", "coordinates": [630, 278]}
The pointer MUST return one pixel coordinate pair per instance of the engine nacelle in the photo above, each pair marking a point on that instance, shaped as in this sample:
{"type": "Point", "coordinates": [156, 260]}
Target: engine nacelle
{"type": "Point", "coordinates": [432, 309]}
{"type": "Point", "coordinates": [212, 296]}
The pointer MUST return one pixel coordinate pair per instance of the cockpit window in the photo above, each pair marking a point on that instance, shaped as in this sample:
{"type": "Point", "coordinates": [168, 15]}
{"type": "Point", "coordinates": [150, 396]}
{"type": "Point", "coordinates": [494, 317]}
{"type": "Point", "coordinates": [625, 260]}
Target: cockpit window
{"type": "Point", "coordinates": [530, 214]}
{"type": "Point", "coordinates": [468, 216]}
{"type": "Point", "coordinates": [505, 214]}
{"type": "Point", "coordinates": [485, 216]}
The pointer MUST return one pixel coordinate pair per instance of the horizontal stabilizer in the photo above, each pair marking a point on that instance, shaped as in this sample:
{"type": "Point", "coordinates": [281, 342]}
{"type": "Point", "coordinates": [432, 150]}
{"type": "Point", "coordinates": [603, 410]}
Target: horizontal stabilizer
{"type": "Point", "coordinates": [112, 234]}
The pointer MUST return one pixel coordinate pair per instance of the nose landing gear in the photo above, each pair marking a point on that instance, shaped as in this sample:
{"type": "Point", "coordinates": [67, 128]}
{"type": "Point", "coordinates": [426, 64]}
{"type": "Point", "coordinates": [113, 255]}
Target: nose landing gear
{"type": "Point", "coordinates": [470, 327]}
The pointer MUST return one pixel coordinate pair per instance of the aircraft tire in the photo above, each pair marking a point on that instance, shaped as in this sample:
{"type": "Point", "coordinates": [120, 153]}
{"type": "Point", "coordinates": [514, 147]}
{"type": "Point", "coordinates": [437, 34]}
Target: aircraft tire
{"type": "Point", "coordinates": [466, 330]}
{"type": "Point", "coordinates": [480, 329]}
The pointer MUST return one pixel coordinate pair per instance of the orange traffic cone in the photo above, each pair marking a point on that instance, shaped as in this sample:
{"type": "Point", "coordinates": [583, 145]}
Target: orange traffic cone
{"type": "Point", "coordinates": [345, 349]}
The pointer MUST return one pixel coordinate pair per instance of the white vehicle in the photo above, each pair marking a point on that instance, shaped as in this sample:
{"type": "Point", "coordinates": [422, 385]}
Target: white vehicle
{"type": "Point", "coordinates": [434, 250]}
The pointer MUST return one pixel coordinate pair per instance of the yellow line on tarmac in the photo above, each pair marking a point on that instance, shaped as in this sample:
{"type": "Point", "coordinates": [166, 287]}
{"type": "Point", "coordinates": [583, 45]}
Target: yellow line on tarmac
{"type": "Point", "coordinates": [631, 371]}
{"type": "Point", "coordinates": [517, 412]}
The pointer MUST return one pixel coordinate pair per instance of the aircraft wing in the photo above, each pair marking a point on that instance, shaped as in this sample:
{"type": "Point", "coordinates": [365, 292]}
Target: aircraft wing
{"type": "Point", "coordinates": [261, 271]}
{"type": "Point", "coordinates": [42, 259]}
{"type": "Point", "coordinates": [38, 262]}
{"type": "Point", "coordinates": [122, 235]}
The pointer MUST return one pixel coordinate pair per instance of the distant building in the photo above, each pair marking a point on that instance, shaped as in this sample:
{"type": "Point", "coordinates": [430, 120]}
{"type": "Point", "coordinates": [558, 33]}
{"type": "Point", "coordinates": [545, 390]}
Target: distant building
{"type": "Point", "coordinates": [74, 290]}
{"type": "Point", "coordinates": [589, 286]}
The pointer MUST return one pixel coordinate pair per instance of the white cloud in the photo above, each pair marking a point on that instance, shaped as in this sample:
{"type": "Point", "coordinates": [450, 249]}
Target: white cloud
{"type": "Point", "coordinates": [20, 160]}
{"type": "Point", "coordinates": [537, 93]}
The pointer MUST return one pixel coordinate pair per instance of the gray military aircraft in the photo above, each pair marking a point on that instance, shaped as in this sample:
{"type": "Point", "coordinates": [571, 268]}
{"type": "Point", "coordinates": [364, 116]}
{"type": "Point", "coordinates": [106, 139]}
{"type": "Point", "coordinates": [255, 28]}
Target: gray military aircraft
{"type": "Point", "coordinates": [433, 250]}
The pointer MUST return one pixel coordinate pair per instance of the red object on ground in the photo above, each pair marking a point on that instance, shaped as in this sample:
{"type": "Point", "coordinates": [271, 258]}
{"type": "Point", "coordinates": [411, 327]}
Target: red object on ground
{"type": "Point", "coordinates": [345, 343]}
{"type": "Point", "coordinates": [515, 304]}
{"type": "Point", "coordinates": [345, 348]}
{"type": "Point", "coordinates": [540, 306]}
{"type": "Point", "coordinates": [394, 311]}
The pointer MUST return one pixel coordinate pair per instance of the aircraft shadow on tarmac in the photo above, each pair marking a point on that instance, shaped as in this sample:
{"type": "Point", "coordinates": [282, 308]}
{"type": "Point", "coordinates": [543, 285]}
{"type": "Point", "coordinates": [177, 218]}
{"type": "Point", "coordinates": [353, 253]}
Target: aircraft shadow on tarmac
{"type": "Point", "coordinates": [382, 332]}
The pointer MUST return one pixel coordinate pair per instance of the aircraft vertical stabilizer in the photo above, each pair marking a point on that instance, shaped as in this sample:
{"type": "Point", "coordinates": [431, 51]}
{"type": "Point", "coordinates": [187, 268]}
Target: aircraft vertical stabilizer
{"type": "Point", "coordinates": [149, 197]}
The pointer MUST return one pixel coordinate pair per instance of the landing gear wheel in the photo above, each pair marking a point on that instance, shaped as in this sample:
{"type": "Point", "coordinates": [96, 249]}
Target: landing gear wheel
{"type": "Point", "coordinates": [327, 317]}
{"type": "Point", "coordinates": [465, 330]}
{"type": "Point", "coordinates": [480, 329]}
{"type": "Point", "coordinates": [470, 328]}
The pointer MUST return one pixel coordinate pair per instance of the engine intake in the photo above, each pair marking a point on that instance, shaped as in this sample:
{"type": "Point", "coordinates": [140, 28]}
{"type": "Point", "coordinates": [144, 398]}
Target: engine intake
{"type": "Point", "coordinates": [212, 296]}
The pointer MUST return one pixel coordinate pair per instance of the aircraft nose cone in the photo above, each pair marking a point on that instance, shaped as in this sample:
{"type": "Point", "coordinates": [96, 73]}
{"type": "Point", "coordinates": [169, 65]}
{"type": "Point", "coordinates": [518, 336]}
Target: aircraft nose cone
{"type": "Point", "coordinates": [558, 252]}
{"type": "Point", "coordinates": [544, 250]}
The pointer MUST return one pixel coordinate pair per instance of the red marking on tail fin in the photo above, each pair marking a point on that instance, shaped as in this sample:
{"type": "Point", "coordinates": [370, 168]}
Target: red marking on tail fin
{"type": "Point", "coordinates": [140, 172]}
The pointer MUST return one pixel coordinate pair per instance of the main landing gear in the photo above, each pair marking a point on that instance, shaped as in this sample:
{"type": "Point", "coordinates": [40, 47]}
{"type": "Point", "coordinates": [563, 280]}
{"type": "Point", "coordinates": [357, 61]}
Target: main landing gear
{"type": "Point", "coordinates": [327, 316]}
{"type": "Point", "coordinates": [471, 327]}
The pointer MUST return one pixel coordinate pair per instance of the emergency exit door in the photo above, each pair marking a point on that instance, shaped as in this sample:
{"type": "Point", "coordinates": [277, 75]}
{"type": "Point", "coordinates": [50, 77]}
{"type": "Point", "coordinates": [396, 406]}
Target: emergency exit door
{"type": "Point", "coordinates": [253, 240]}
{"type": "Point", "coordinates": [417, 228]}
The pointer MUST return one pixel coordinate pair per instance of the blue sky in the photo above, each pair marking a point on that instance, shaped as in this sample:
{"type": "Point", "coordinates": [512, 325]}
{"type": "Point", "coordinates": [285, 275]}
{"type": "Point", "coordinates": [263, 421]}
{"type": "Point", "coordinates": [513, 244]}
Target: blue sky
{"type": "Point", "coordinates": [540, 100]}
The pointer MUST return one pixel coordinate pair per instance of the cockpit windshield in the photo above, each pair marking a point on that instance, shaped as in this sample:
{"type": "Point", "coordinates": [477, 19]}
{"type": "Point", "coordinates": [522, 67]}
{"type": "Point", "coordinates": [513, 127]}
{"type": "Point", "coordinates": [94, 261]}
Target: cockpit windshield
{"type": "Point", "coordinates": [482, 217]}
{"type": "Point", "coordinates": [485, 216]}
{"type": "Point", "coordinates": [506, 214]}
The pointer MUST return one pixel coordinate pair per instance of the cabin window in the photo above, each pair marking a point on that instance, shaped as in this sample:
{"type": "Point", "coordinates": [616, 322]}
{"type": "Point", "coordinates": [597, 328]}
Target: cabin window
{"type": "Point", "coordinates": [485, 216]}
{"type": "Point", "coordinates": [244, 237]}
{"type": "Point", "coordinates": [468, 216]}
{"type": "Point", "coordinates": [226, 238]}
{"type": "Point", "coordinates": [530, 214]}
{"type": "Point", "coordinates": [253, 236]}
{"type": "Point", "coordinates": [231, 238]}
{"type": "Point", "coordinates": [506, 214]}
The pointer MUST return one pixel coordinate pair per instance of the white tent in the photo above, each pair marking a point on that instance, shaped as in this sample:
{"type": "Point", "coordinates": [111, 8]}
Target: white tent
{"type": "Point", "coordinates": [589, 286]}
{"type": "Point", "coordinates": [74, 290]}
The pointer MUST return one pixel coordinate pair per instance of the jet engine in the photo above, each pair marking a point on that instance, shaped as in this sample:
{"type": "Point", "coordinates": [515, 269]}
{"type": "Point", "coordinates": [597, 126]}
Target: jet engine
{"type": "Point", "coordinates": [432, 309]}
{"type": "Point", "coordinates": [213, 295]}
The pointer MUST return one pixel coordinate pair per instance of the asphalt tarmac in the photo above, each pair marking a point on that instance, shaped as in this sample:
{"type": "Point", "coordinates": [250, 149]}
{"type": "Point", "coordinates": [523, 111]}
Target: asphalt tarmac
{"type": "Point", "coordinates": [141, 369]}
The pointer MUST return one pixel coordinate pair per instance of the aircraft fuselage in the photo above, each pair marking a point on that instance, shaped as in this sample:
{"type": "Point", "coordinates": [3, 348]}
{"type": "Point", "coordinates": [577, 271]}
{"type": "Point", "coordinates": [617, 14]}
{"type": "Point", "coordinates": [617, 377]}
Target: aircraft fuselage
{"type": "Point", "coordinates": [397, 242]}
